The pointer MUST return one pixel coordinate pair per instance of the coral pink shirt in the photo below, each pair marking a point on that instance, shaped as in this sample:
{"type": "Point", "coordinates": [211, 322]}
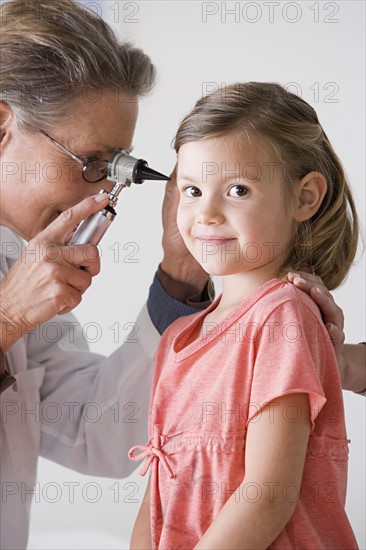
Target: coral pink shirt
{"type": "Point", "coordinates": [205, 393]}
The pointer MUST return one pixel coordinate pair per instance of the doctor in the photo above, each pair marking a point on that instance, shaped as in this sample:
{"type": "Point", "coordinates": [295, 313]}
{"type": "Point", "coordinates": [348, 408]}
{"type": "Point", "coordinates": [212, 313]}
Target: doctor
{"type": "Point", "coordinates": [69, 98]}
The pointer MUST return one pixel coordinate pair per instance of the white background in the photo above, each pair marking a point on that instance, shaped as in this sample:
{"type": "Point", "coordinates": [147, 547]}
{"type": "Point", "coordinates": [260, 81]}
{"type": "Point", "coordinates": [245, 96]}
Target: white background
{"type": "Point", "coordinates": [316, 49]}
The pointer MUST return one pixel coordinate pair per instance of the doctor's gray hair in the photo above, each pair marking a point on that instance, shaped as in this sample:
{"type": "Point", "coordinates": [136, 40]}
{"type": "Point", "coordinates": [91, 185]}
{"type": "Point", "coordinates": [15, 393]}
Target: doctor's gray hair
{"type": "Point", "coordinates": [54, 52]}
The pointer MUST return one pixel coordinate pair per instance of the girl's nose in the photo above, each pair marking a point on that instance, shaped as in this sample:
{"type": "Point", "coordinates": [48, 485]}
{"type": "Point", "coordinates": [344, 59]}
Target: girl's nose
{"type": "Point", "coordinates": [210, 212]}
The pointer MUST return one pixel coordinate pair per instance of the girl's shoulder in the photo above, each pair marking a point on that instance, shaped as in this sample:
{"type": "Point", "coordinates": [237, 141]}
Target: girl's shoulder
{"type": "Point", "coordinates": [281, 296]}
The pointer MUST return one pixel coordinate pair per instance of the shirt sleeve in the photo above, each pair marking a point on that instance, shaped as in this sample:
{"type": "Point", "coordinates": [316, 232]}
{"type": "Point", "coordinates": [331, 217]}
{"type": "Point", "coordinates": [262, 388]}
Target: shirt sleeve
{"type": "Point", "coordinates": [290, 357]}
{"type": "Point", "coordinates": [101, 403]}
{"type": "Point", "coordinates": [164, 309]}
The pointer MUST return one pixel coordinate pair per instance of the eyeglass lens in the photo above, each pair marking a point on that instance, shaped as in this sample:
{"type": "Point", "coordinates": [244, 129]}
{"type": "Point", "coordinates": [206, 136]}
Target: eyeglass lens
{"type": "Point", "coordinates": [95, 171]}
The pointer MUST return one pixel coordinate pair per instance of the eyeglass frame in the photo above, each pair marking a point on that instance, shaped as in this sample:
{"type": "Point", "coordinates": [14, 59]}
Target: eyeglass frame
{"type": "Point", "coordinates": [77, 159]}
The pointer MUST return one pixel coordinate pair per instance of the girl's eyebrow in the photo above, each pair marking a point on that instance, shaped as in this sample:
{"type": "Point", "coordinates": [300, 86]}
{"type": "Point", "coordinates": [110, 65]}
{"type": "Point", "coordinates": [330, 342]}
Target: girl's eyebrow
{"type": "Point", "coordinates": [183, 177]}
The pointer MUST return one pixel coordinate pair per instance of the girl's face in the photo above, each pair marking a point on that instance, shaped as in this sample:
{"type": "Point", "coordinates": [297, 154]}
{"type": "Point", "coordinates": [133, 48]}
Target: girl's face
{"type": "Point", "coordinates": [232, 212]}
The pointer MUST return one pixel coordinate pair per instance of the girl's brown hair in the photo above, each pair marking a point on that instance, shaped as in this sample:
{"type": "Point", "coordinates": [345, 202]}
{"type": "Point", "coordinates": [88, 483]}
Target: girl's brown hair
{"type": "Point", "coordinates": [53, 52]}
{"type": "Point", "coordinates": [290, 127]}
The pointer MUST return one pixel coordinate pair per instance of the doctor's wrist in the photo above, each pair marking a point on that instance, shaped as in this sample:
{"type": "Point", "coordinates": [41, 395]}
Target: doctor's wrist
{"type": "Point", "coordinates": [7, 340]}
{"type": "Point", "coordinates": [353, 371]}
{"type": "Point", "coordinates": [195, 293]}
{"type": "Point", "coordinates": [9, 332]}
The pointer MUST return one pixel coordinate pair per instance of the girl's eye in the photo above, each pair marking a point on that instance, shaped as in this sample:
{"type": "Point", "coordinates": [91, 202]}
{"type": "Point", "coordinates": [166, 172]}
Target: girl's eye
{"type": "Point", "coordinates": [238, 191]}
{"type": "Point", "coordinates": [191, 191]}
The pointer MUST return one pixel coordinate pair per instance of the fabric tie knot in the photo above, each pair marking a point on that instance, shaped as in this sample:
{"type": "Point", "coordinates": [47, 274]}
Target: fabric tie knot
{"type": "Point", "coordinates": [151, 451]}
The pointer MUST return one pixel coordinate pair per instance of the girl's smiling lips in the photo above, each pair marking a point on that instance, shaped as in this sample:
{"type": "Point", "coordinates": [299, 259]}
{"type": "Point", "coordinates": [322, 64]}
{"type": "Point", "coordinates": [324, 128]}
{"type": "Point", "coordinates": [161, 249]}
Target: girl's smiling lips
{"type": "Point", "coordinates": [214, 239]}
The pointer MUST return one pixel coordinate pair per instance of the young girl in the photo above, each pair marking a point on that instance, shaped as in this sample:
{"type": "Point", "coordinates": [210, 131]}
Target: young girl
{"type": "Point", "coordinates": [248, 444]}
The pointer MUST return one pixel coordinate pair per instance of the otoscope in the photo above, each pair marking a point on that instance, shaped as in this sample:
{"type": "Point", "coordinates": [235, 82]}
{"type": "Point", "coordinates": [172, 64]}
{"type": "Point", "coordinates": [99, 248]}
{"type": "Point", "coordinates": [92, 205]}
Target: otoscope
{"type": "Point", "coordinates": [123, 169]}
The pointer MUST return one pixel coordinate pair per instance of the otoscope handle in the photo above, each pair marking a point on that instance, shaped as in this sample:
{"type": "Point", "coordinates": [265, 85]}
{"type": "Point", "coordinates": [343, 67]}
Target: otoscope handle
{"type": "Point", "coordinates": [93, 228]}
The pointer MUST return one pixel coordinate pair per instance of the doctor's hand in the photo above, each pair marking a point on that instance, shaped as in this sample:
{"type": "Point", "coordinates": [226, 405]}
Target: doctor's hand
{"type": "Point", "coordinates": [332, 314]}
{"type": "Point", "coordinates": [178, 262]}
{"type": "Point", "coordinates": [47, 280]}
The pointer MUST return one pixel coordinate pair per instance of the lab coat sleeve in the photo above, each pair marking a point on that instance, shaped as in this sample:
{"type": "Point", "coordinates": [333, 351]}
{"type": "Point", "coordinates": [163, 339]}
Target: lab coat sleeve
{"type": "Point", "coordinates": [93, 408]}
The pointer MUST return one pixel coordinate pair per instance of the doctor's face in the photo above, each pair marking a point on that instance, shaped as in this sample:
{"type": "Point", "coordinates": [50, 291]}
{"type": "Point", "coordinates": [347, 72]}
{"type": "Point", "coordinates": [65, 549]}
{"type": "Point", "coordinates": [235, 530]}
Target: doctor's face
{"type": "Point", "coordinates": [40, 180]}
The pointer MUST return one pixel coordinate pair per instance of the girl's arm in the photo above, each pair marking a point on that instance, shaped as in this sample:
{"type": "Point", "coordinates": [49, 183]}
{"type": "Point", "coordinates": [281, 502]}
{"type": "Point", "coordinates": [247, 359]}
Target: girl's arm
{"type": "Point", "coordinates": [259, 509]}
{"type": "Point", "coordinates": [141, 534]}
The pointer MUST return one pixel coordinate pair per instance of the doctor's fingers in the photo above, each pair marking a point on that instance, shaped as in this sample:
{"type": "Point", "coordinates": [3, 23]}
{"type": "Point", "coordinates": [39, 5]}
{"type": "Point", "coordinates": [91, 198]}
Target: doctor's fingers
{"type": "Point", "coordinates": [79, 255]}
{"type": "Point", "coordinates": [42, 256]}
{"type": "Point", "coordinates": [62, 282]}
{"type": "Point", "coordinates": [65, 224]}
{"type": "Point", "coordinates": [33, 292]}
{"type": "Point", "coordinates": [60, 268]}
{"type": "Point", "coordinates": [332, 314]}
{"type": "Point", "coordinates": [65, 287]}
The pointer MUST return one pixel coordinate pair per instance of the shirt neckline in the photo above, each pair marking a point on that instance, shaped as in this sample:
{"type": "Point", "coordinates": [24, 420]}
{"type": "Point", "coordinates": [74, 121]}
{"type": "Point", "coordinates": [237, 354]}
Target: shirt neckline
{"type": "Point", "coordinates": [180, 351]}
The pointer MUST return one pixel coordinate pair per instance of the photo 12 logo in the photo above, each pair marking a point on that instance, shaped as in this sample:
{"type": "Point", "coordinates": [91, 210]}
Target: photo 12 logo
{"type": "Point", "coordinates": [316, 92]}
{"type": "Point", "coordinates": [269, 12]}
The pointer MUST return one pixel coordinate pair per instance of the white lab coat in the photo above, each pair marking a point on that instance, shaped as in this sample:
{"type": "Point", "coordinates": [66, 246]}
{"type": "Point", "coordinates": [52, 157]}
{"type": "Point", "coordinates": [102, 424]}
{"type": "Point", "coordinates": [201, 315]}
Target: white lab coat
{"type": "Point", "coordinates": [72, 406]}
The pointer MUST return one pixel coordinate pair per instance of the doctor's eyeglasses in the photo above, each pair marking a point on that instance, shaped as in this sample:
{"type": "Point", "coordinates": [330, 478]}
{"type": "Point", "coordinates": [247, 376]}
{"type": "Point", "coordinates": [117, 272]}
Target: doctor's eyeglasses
{"type": "Point", "coordinates": [93, 171]}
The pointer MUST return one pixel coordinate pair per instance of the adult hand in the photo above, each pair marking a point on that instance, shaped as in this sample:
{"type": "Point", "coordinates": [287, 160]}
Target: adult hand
{"type": "Point", "coordinates": [178, 262]}
{"type": "Point", "coordinates": [47, 280]}
{"type": "Point", "coordinates": [332, 314]}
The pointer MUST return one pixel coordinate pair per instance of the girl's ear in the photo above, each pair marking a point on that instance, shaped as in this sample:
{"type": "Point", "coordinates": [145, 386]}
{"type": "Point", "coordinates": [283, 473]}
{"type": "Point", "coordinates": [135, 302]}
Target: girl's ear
{"type": "Point", "coordinates": [310, 193]}
{"type": "Point", "coordinates": [6, 119]}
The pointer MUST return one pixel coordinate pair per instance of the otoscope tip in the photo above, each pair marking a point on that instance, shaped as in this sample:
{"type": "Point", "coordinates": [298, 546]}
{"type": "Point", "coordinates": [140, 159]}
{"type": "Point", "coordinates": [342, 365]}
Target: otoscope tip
{"type": "Point", "coordinates": [143, 172]}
